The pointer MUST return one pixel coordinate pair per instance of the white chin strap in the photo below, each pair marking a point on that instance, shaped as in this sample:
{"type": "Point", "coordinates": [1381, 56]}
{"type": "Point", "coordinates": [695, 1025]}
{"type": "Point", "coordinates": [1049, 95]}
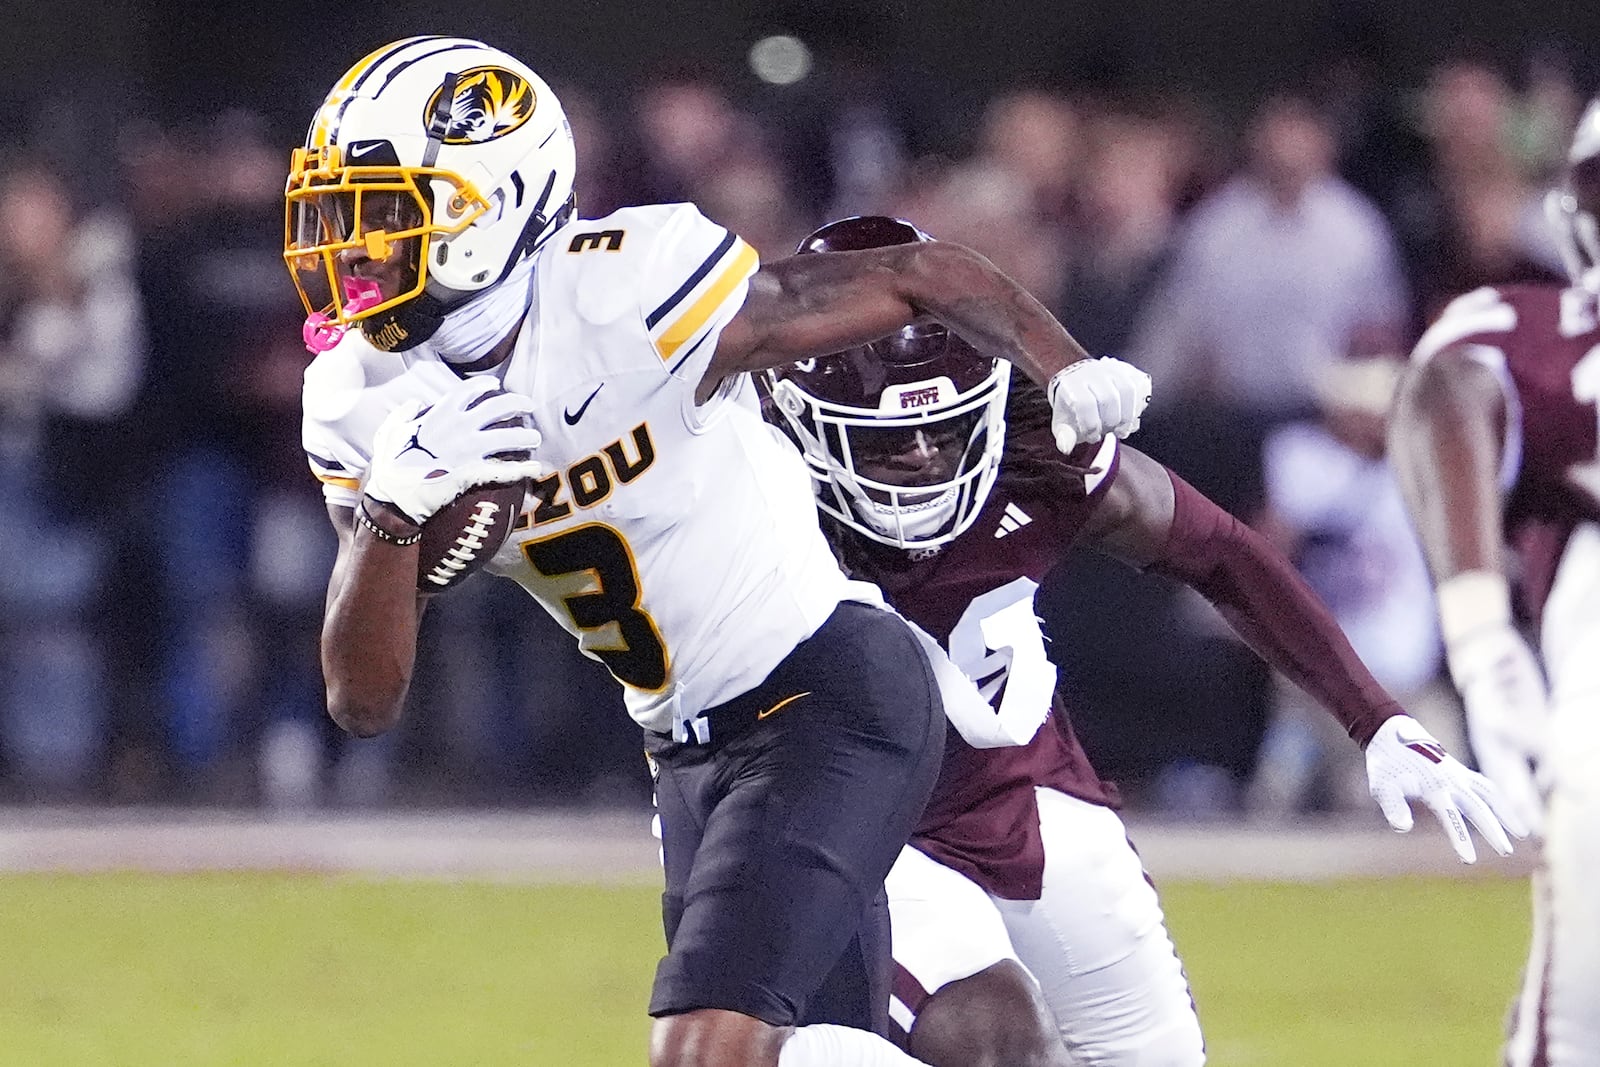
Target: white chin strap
{"type": "Point", "coordinates": [910, 522]}
{"type": "Point", "coordinates": [469, 331]}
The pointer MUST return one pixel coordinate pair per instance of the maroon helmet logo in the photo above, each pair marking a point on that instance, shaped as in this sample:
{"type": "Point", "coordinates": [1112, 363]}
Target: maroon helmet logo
{"type": "Point", "coordinates": [919, 398]}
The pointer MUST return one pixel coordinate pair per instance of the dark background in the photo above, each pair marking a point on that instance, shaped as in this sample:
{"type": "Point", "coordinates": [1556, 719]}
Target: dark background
{"type": "Point", "coordinates": [940, 59]}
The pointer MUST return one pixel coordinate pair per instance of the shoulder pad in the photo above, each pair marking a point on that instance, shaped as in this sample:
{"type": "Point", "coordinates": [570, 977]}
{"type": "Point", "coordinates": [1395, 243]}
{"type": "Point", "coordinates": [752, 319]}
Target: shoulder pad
{"type": "Point", "coordinates": [667, 263]}
{"type": "Point", "coordinates": [1482, 311]}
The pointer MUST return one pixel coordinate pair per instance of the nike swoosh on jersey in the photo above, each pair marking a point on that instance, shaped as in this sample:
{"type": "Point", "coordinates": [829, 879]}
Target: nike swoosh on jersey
{"type": "Point", "coordinates": [572, 417]}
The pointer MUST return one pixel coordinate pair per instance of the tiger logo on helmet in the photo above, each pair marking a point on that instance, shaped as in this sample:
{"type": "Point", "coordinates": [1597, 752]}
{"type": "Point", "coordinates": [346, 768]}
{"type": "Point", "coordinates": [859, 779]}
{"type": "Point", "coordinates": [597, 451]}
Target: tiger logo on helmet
{"type": "Point", "coordinates": [489, 102]}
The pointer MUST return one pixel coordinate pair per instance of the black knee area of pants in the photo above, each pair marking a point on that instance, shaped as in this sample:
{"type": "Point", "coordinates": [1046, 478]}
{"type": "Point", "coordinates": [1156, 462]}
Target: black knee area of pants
{"type": "Point", "coordinates": [776, 838]}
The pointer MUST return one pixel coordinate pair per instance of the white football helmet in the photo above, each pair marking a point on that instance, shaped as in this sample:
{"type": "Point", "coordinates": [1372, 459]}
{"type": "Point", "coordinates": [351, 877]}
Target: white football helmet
{"type": "Point", "coordinates": [442, 149]}
{"type": "Point", "coordinates": [1574, 208]}
{"type": "Point", "coordinates": [921, 394]}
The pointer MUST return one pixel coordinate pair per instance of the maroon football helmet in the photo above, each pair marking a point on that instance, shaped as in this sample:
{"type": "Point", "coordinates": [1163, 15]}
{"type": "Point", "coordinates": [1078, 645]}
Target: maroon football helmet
{"type": "Point", "coordinates": [902, 436]}
{"type": "Point", "coordinates": [1574, 208]}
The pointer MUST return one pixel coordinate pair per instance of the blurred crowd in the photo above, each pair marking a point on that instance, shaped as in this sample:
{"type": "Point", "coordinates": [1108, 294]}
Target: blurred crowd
{"type": "Point", "coordinates": [1270, 265]}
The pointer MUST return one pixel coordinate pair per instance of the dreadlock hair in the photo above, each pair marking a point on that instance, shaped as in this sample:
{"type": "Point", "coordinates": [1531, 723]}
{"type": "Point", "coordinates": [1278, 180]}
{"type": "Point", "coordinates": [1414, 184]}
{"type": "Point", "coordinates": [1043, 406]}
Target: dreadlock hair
{"type": "Point", "coordinates": [1032, 463]}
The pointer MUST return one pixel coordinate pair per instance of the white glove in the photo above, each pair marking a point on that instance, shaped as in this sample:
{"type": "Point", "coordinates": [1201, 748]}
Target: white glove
{"type": "Point", "coordinates": [424, 456]}
{"type": "Point", "coordinates": [1508, 713]}
{"type": "Point", "coordinates": [1405, 763]}
{"type": "Point", "coordinates": [1094, 397]}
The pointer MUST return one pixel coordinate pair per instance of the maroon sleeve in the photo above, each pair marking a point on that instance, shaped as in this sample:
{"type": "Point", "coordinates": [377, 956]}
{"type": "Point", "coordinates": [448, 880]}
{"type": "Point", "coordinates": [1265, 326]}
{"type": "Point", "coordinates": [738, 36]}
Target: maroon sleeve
{"type": "Point", "coordinates": [1268, 604]}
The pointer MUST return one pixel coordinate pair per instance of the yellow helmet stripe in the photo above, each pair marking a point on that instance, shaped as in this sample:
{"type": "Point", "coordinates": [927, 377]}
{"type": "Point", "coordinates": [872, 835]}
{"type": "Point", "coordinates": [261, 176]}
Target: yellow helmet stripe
{"type": "Point", "coordinates": [319, 131]}
{"type": "Point", "coordinates": [322, 129]}
{"type": "Point", "coordinates": [688, 324]}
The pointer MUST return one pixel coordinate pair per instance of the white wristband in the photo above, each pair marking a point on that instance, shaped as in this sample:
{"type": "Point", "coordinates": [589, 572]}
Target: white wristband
{"type": "Point", "coordinates": [1472, 601]}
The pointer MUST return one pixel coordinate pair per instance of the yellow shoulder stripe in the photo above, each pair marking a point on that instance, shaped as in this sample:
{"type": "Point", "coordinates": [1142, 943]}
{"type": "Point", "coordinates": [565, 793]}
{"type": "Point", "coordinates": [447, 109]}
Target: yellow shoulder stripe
{"type": "Point", "coordinates": [343, 483]}
{"type": "Point", "coordinates": [688, 324]}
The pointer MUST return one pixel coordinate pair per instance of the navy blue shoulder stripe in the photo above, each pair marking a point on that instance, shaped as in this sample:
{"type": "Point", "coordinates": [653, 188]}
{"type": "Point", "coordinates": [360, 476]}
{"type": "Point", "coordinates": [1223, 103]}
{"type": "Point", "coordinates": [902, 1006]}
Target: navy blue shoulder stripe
{"type": "Point", "coordinates": [325, 464]}
{"type": "Point", "coordinates": [685, 357]}
{"type": "Point", "coordinates": [694, 279]}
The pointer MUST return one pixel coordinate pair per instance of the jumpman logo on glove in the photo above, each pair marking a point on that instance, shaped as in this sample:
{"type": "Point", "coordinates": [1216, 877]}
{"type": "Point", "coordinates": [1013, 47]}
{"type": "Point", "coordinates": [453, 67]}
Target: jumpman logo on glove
{"type": "Point", "coordinates": [417, 444]}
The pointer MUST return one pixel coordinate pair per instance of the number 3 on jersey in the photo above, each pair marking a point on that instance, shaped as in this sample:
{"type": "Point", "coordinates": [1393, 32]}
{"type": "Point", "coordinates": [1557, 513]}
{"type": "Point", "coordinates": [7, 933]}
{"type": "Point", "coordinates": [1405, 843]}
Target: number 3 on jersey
{"type": "Point", "coordinates": [604, 608]}
{"type": "Point", "coordinates": [997, 642]}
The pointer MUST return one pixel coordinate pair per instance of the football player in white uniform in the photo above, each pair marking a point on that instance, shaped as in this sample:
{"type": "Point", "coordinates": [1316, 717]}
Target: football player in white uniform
{"type": "Point", "coordinates": [465, 320]}
{"type": "Point", "coordinates": [1494, 438]}
{"type": "Point", "coordinates": [1024, 928]}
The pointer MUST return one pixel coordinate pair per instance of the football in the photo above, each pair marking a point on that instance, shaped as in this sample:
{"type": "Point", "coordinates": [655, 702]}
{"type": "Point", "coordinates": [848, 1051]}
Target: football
{"type": "Point", "coordinates": [465, 534]}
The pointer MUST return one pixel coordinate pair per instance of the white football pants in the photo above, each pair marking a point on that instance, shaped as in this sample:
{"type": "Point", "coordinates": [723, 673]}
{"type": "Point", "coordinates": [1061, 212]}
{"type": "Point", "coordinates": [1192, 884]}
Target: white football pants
{"type": "Point", "coordinates": [1556, 1018]}
{"type": "Point", "coordinates": [1095, 941]}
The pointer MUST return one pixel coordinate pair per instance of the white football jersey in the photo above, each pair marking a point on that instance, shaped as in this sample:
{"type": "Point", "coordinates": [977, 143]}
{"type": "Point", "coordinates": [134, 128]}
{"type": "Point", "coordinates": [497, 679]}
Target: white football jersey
{"type": "Point", "coordinates": [678, 543]}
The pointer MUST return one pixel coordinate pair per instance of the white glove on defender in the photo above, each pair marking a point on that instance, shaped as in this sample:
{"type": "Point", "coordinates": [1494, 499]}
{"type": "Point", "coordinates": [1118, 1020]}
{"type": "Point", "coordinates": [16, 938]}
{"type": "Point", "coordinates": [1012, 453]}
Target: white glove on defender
{"type": "Point", "coordinates": [424, 456]}
{"type": "Point", "coordinates": [1405, 763]}
{"type": "Point", "coordinates": [1508, 713]}
{"type": "Point", "coordinates": [1094, 397]}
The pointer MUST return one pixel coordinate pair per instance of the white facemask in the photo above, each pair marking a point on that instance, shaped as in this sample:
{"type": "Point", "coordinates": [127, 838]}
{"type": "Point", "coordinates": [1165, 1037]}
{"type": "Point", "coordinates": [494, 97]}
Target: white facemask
{"type": "Point", "coordinates": [909, 522]}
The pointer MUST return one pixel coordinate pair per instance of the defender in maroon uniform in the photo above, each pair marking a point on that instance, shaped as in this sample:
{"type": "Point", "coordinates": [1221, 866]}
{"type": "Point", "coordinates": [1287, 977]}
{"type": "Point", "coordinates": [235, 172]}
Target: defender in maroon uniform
{"type": "Point", "coordinates": [1019, 910]}
{"type": "Point", "coordinates": [1494, 436]}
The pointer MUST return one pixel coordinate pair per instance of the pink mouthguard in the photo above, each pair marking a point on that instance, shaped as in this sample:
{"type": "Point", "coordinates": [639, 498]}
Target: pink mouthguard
{"type": "Point", "coordinates": [322, 333]}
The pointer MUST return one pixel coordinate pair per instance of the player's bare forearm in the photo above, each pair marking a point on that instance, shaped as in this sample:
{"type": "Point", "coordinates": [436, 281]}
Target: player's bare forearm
{"type": "Point", "coordinates": [369, 629]}
{"type": "Point", "coordinates": [819, 303]}
{"type": "Point", "coordinates": [994, 314]}
{"type": "Point", "coordinates": [1445, 439]}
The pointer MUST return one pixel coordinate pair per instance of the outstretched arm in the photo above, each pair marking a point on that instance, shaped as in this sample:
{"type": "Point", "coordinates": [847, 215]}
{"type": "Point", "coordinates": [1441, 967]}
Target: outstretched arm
{"type": "Point", "coordinates": [1157, 521]}
{"type": "Point", "coordinates": [825, 302]}
{"type": "Point", "coordinates": [815, 304]}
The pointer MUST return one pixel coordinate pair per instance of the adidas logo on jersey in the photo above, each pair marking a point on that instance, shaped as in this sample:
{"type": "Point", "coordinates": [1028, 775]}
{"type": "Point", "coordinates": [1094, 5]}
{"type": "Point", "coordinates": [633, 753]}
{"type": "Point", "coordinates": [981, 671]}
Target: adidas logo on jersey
{"type": "Point", "coordinates": [1012, 520]}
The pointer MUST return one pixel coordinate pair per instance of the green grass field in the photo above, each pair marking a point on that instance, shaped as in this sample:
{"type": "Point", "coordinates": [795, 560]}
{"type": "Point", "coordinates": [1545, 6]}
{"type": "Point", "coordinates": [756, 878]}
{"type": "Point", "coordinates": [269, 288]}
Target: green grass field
{"type": "Point", "coordinates": [293, 971]}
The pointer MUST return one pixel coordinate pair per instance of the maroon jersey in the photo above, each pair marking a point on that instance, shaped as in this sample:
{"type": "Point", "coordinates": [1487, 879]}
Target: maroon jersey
{"type": "Point", "coordinates": [1544, 343]}
{"type": "Point", "coordinates": [982, 819]}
